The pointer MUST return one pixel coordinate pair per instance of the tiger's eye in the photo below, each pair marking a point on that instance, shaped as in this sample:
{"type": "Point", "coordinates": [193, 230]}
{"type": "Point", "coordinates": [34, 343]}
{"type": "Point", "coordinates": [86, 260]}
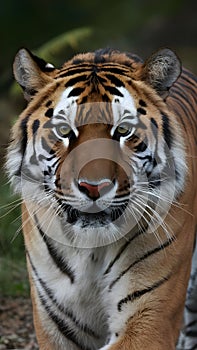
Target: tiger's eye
{"type": "Point", "coordinates": [64, 130]}
{"type": "Point", "coordinates": [124, 129]}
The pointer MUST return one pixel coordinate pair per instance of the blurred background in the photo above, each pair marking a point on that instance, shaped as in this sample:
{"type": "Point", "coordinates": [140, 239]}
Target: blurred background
{"type": "Point", "coordinates": [56, 30]}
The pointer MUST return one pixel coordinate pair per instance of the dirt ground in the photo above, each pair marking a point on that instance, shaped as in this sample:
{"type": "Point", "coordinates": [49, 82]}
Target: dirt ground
{"type": "Point", "coordinates": [16, 324]}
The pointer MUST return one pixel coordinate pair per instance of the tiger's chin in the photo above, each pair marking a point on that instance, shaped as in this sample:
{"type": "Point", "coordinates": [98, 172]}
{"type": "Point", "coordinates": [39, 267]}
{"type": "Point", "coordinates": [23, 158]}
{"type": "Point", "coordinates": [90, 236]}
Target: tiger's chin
{"type": "Point", "coordinates": [95, 228]}
{"type": "Point", "coordinates": [94, 216]}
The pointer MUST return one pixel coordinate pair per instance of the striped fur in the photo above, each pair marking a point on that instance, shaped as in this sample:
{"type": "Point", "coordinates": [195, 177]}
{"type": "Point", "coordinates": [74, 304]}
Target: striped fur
{"type": "Point", "coordinates": [104, 157]}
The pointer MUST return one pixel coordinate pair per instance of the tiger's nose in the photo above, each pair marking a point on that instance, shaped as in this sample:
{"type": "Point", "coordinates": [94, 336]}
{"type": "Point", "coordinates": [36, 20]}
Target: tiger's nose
{"type": "Point", "coordinates": [95, 190]}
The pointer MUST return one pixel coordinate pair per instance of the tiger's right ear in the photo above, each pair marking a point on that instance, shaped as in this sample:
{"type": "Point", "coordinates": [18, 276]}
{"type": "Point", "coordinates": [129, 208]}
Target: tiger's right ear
{"type": "Point", "coordinates": [31, 72]}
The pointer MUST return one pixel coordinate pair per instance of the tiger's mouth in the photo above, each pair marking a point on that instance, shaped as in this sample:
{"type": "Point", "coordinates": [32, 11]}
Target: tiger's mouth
{"type": "Point", "coordinates": [94, 217]}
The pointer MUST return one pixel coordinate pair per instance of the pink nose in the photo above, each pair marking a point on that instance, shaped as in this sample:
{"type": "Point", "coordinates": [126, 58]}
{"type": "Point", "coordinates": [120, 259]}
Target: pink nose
{"type": "Point", "coordinates": [95, 191]}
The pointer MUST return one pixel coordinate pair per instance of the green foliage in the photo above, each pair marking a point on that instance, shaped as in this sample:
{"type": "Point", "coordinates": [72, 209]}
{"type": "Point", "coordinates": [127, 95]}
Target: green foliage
{"type": "Point", "coordinates": [57, 49]}
{"type": "Point", "coordinates": [13, 275]}
{"type": "Point", "coordinates": [10, 221]}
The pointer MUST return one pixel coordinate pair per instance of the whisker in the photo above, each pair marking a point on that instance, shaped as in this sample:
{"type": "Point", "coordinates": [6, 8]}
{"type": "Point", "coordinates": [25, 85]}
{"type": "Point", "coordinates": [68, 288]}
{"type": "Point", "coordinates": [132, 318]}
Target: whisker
{"type": "Point", "coordinates": [174, 203]}
{"type": "Point", "coordinates": [10, 210]}
{"type": "Point", "coordinates": [10, 204]}
{"type": "Point", "coordinates": [155, 219]}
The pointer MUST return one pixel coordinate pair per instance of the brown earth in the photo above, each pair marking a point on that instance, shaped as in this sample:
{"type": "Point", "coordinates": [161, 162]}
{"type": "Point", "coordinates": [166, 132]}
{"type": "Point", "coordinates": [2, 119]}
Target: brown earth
{"type": "Point", "coordinates": [16, 324]}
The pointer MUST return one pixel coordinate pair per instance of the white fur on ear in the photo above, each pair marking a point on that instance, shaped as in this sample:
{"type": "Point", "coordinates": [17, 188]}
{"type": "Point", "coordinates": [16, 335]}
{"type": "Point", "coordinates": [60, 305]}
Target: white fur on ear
{"type": "Point", "coordinates": [49, 65]}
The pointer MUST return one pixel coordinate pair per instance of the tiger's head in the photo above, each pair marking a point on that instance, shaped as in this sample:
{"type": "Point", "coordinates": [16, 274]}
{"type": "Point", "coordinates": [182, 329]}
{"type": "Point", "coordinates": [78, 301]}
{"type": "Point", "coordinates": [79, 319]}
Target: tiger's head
{"type": "Point", "coordinates": [97, 141]}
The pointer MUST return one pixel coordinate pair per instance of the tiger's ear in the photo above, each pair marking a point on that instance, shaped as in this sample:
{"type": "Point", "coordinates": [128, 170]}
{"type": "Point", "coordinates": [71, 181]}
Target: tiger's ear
{"type": "Point", "coordinates": [161, 70]}
{"type": "Point", "coordinates": [31, 72]}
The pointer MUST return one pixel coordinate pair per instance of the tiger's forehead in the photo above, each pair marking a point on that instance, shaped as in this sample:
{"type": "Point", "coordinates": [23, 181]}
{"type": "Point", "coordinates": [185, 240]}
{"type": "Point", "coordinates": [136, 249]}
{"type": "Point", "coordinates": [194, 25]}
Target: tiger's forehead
{"type": "Point", "coordinates": [121, 107]}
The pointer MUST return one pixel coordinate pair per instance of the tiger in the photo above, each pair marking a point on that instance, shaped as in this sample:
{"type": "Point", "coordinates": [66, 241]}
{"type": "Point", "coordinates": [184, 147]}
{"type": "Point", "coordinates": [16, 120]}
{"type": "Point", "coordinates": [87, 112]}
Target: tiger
{"type": "Point", "coordinates": [104, 159]}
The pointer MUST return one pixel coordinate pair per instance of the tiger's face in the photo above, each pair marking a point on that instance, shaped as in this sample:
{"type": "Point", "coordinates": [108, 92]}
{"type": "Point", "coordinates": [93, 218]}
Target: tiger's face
{"type": "Point", "coordinates": [99, 146]}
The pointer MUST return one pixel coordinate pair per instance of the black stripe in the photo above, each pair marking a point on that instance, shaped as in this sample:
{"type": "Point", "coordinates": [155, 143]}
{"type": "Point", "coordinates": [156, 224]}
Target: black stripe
{"type": "Point", "coordinates": [101, 80]}
{"type": "Point", "coordinates": [48, 159]}
{"type": "Point", "coordinates": [85, 68]}
{"type": "Point", "coordinates": [154, 127]}
{"type": "Point", "coordinates": [72, 71]}
{"type": "Point", "coordinates": [64, 328]}
{"type": "Point", "coordinates": [191, 112]}
{"type": "Point", "coordinates": [39, 102]}
{"type": "Point", "coordinates": [188, 308]}
{"type": "Point", "coordinates": [115, 70]}
{"type": "Point", "coordinates": [76, 91]}
{"type": "Point", "coordinates": [49, 112]}
{"type": "Point", "coordinates": [147, 157]}
{"type": "Point", "coordinates": [122, 249]}
{"type": "Point", "coordinates": [189, 84]}
{"type": "Point", "coordinates": [55, 163]}
{"type": "Point", "coordinates": [118, 196]}
{"type": "Point", "coordinates": [24, 133]}
{"type": "Point", "coordinates": [141, 147]}
{"type": "Point", "coordinates": [47, 147]}
{"type": "Point", "coordinates": [191, 324]}
{"type": "Point", "coordinates": [167, 131]}
{"type": "Point", "coordinates": [141, 110]}
{"type": "Point", "coordinates": [83, 100]}
{"type": "Point", "coordinates": [191, 88]}
{"type": "Point", "coordinates": [35, 125]}
{"type": "Point", "coordinates": [187, 73]}
{"type": "Point", "coordinates": [75, 80]}
{"type": "Point", "coordinates": [66, 312]}
{"type": "Point", "coordinates": [58, 260]}
{"type": "Point", "coordinates": [178, 112]}
{"type": "Point", "coordinates": [191, 333]}
{"type": "Point", "coordinates": [142, 103]}
{"type": "Point", "coordinates": [142, 258]}
{"type": "Point", "coordinates": [113, 90]}
{"type": "Point", "coordinates": [48, 103]}
{"type": "Point", "coordinates": [182, 94]}
{"type": "Point", "coordinates": [184, 109]}
{"type": "Point", "coordinates": [181, 99]}
{"type": "Point", "coordinates": [114, 80]}
{"type": "Point", "coordinates": [23, 143]}
{"type": "Point", "coordinates": [60, 117]}
{"type": "Point", "coordinates": [139, 293]}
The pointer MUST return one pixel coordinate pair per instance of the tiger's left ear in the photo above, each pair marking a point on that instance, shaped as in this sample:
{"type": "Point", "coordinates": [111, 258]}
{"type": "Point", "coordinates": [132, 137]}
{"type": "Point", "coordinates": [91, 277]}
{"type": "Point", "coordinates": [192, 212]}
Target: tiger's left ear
{"type": "Point", "coordinates": [161, 70]}
{"type": "Point", "coordinates": [31, 72]}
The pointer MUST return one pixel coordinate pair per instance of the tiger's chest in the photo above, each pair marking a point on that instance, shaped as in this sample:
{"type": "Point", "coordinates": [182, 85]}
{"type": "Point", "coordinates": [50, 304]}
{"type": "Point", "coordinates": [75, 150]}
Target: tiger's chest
{"type": "Point", "coordinates": [70, 291]}
{"type": "Point", "coordinates": [84, 294]}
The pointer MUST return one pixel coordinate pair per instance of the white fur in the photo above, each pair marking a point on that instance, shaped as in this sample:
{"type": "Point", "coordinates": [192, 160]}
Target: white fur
{"type": "Point", "coordinates": [67, 107]}
{"type": "Point", "coordinates": [124, 103]}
